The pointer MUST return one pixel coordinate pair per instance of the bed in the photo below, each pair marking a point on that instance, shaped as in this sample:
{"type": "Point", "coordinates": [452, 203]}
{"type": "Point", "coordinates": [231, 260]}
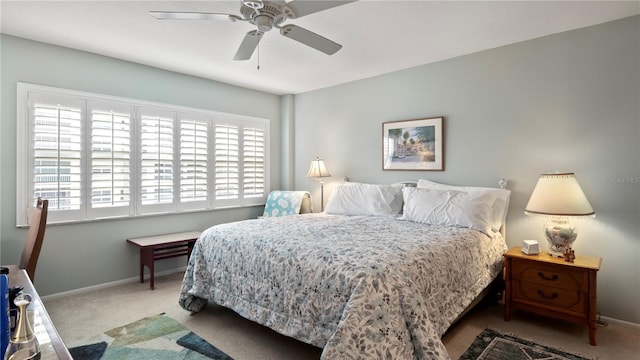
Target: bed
{"type": "Point", "coordinates": [382, 273]}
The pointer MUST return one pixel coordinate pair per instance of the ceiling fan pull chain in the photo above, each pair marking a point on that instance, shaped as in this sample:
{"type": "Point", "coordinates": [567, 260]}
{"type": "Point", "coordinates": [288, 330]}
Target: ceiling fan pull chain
{"type": "Point", "coordinates": [258, 68]}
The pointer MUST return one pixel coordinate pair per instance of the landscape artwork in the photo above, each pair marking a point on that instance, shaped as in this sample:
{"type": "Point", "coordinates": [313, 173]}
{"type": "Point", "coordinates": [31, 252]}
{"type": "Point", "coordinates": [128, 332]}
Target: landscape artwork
{"type": "Point", "coordinates": [413, 145]}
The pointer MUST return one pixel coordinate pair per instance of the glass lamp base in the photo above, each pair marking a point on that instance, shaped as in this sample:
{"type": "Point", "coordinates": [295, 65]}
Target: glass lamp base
{"type": "Point", "coordinates": [560, 234]}
{"type": "Point", "coordinates": [23, 344]}
{"type": "Point", "coordinates": [22, 354]}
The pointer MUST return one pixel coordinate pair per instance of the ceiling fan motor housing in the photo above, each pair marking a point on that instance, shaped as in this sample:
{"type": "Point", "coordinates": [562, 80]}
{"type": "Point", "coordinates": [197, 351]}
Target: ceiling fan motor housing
{"type": "Point", "coordinates": [271, 14]}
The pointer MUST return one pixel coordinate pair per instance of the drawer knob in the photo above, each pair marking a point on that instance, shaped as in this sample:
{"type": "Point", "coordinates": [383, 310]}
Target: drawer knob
{"type": "Point", "coordinates": [542, 276]}
{"type": "Point", "coordinates": [545, 296]}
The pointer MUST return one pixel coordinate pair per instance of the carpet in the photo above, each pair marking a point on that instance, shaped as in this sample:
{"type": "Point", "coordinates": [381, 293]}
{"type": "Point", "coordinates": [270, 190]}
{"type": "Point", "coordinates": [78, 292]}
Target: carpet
{"type": "Point", "coordinates": [156, 337]}
{"type": "Point", "coordinates": [492, 345]}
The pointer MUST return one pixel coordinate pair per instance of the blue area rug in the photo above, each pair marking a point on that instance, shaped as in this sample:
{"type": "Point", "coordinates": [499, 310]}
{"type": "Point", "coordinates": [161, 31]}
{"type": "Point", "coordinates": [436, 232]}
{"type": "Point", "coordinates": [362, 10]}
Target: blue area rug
{"type": "Point", "coordinates": [89, 352]}
{"type": "Point", "coordinates": [492, 345]}
{"type": "Point", "coordinates": [157, 337]}
{"type": "Point", "coordinates": [196, 343]}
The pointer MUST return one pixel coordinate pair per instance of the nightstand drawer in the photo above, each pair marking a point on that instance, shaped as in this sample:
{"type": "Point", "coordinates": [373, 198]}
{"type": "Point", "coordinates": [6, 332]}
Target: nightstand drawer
{"type": "Point", "coordinates": [558, 298]}
{"type": "Point", "coordinates": [550, 275]}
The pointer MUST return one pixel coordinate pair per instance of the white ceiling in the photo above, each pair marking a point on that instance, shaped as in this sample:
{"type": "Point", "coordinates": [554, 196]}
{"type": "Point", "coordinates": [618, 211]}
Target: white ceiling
{"type": "Point", "coordinates": [377, 36]}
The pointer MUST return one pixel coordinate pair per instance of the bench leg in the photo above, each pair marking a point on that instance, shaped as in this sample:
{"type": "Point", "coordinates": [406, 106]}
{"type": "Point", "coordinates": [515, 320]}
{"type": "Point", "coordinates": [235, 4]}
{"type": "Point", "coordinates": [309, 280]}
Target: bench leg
{"type": "Point", "coordinates": [151, 275]}
{"type": "Point", "coordinates": [190, 248]}
{"type": "Point", "coordinates": [141, 270]}
{"type": "Point", "coordinates": [146, 258]}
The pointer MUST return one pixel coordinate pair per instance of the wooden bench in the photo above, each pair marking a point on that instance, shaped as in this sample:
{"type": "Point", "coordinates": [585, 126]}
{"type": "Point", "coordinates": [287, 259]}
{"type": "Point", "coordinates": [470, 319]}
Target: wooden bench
{"type": "Point", "coordinates": [160, 247]}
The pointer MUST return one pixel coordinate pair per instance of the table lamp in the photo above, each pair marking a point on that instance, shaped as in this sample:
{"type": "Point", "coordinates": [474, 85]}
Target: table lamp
{"type": "Point", "coordinates": [559, 196]}
{"type": "Point", "coordinates": [317, 171]}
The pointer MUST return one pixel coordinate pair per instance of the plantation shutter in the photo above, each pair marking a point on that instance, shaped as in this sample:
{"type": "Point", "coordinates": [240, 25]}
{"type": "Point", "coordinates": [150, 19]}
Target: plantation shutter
{"type": "Point", "coordinates": [193, 160]}
{"type": "Point", "coordinates": [254, 162]}
{"type": "Point", "coordinates": [226, 162]}
{"type": "Point", "coordinates": [96, 156]}
{"type": "Point", "coordinates": [157, 159]}
{"type": "Point", "coordinates": [110, 157]}
{"type": "Point", "coordinates": [57, 151]}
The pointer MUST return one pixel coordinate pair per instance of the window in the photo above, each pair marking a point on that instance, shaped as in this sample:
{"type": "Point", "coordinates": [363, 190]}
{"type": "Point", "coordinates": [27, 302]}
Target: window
{"type": "Point", "coordinates": [96, 156]}
{"type": "Point", "coordinates": [109, 159]}
{"type": "Point", "coordinates": [193, 160]}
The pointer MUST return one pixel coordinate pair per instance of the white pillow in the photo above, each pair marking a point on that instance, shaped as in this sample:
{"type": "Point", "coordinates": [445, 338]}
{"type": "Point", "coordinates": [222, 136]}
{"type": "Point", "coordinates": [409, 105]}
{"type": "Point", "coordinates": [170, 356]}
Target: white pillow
{"type": "Point", "coordinates": [365, 199]}
{"type": "Point", "coordinates": [449, 207]}
{"type": "Point", "coordinates": [499, 208]}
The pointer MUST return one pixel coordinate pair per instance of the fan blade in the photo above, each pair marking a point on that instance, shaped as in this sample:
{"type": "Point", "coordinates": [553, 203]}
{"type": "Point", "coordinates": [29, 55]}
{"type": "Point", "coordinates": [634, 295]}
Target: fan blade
{"type": "Point", "coordinates": [248, 45]}
{"type": "Point", "coordinates": [172, 15]}
{"type": "Point", "coordinates": [305, 7]}
{"type": "Point", "coordinates": [311, 39]}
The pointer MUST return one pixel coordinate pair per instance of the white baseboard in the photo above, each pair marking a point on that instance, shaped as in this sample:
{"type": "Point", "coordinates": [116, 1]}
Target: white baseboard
{"type": "Point", "coordinates": [621, 323]}
{"type": "Point", "coordinates": [108, 285]}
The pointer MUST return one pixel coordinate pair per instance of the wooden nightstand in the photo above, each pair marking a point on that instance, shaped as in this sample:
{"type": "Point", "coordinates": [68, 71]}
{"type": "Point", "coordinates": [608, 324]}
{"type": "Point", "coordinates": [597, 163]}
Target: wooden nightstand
{"type": "Point", "coordinates": [550, 286]}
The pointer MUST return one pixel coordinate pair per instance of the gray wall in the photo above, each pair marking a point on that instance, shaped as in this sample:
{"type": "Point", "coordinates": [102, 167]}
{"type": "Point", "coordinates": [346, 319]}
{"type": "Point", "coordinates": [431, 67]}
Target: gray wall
{"type": "Point", "coordinates": [567, 102]}
{"type": "Point", "coordinates": [80, 255]}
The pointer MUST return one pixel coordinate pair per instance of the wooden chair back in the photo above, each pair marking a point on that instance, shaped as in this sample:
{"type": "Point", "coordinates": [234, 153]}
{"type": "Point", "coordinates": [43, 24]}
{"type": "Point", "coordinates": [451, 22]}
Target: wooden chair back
{"type": "Point", "coordinates": [35, 237]}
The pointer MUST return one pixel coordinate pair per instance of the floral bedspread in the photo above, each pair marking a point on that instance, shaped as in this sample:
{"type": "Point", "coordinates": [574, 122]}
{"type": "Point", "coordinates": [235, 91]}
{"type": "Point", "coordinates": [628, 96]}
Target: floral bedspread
{"type": "Point", "coordinates": [359, 287]}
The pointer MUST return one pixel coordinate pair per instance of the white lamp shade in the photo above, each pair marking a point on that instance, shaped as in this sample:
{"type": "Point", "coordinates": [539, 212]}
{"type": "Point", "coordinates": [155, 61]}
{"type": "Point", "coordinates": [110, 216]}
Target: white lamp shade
{"type": "Point", "coordinates": [317, 169]}
{"type": "Point", "coordinates": [559, 194]}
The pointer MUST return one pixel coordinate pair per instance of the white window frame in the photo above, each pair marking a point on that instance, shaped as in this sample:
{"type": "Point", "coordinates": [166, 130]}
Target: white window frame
{"type": "Point", "coordinates": [25, 157]}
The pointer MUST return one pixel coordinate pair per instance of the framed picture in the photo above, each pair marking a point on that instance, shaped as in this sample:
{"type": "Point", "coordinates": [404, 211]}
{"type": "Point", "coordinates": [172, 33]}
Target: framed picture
{"type": "Point", "coordinates": [413, 145]}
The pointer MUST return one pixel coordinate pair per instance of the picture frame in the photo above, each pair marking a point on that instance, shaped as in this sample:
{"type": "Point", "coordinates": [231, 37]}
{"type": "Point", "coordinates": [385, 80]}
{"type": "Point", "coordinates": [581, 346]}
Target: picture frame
{"type": "Point", "coordinates": [414, 145]}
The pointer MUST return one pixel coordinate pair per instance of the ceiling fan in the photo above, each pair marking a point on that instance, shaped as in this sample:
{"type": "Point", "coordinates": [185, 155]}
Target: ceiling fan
{"type": "Point", "coordinates": [265, 15]}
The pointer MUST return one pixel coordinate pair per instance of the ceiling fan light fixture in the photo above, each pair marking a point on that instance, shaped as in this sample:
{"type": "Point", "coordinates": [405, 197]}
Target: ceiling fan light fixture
{"type": "Point", "coordinates": [263, 22]}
